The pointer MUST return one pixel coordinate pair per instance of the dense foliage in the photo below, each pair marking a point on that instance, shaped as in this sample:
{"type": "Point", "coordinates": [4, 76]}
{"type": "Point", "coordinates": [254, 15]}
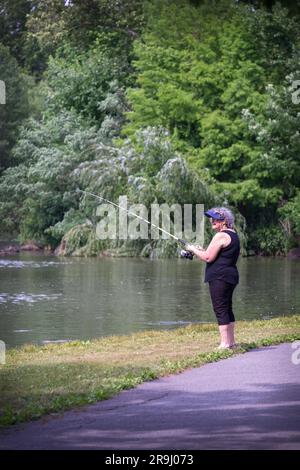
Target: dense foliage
{"type": "Point", "coordinates": [165, 101]}
{"type": "Point", "coordinates": [220, 79]}
{"type": "Point", "coordinates": [16, 108]}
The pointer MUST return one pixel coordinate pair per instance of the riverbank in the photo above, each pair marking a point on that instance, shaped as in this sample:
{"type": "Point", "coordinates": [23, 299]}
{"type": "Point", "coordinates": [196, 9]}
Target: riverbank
{"type": "Point", "coordinates": [37, 380]}
{"type": "Point", "coordinates": [69, 248]}
{"type": "Point", "coordinates": [14, 248]}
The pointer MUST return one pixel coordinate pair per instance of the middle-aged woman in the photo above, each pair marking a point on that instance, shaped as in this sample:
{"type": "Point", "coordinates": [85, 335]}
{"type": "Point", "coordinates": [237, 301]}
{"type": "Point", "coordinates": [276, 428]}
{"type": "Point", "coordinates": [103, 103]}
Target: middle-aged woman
{"type": "Point", "coordinates": [221, 272]}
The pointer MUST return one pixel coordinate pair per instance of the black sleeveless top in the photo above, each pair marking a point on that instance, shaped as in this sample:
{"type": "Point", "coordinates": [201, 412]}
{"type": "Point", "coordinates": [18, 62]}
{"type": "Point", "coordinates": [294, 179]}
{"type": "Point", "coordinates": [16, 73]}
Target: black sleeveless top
{"type": "Point", "coordinates": [224, 266]}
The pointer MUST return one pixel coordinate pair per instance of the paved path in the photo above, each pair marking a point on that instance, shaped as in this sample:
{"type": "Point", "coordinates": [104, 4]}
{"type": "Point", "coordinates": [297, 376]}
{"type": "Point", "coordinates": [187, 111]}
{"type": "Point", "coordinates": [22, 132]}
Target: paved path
{"type": "Point", "coordinates": [251, 401]}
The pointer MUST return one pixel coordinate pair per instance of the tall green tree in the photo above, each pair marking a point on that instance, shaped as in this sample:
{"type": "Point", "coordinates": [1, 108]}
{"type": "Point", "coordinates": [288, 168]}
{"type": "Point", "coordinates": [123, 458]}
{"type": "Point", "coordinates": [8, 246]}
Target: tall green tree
{"type": "Point", "coordinates": [199, 65]}
{"type": "Point", "coordinates": [90, 83]}
{"type": "Point", "coordinates": [45, 32]}
{"type": "Point", "coordinates": [276, 166]}
{"type": "Point", "coordinates": [196, 71]}
{"type": "Point", "coordinates": [53, 23]}
{"type": "Point", "coordinates": [16, 108]}
{"type": "Point", "coordinates": [13, 17]}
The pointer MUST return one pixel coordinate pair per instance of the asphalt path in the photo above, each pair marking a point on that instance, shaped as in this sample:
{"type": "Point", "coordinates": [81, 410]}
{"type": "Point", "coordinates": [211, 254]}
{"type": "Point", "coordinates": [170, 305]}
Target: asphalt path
{"type": "Point", "coordinates": [250, 401]}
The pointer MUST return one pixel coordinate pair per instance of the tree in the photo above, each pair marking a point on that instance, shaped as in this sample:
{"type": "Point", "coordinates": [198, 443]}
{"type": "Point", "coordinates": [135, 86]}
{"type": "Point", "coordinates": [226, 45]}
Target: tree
{"type": "Point", "coordinates": [45, 32]}
{"type": "Point", "coordinates": [16, 108]}
{"type": "Point", "coordinates": [196, 71]}
{"type": "Point", "coordinates": [90, 83]}
{"type": "Point", "coordinates": [37, 192]}
{"type": "Point", "coordinates": [199, 67]}
{"type": "Point", "coordinates": [13, 16]}
{"type": "Point", "coordinates": [276, 164]}
{"type": "Point", "coordinates": [275, 35]}
{"type": "Point", "coordinates": [55, 23]}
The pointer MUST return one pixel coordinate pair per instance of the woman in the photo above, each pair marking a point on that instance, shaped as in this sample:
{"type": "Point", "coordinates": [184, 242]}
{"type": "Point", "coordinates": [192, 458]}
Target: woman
{"type": "Point", "coordinates": [221, 271]}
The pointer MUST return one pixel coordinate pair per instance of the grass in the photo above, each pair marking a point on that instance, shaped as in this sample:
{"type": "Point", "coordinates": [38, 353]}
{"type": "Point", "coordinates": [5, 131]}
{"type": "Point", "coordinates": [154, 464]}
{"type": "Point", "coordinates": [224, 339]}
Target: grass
{"type": "Point", "coordinates": [37, 380]}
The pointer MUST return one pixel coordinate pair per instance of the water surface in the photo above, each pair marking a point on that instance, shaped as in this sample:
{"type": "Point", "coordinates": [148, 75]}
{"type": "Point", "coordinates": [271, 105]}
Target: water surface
{"type": "Point", "coordinates": [45, 299]}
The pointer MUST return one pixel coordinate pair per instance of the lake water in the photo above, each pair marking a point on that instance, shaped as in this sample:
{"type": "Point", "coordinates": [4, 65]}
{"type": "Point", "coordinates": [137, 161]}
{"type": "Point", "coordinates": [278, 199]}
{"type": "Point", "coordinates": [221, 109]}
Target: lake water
{"type": "Point", "coordinates": [45, 299]}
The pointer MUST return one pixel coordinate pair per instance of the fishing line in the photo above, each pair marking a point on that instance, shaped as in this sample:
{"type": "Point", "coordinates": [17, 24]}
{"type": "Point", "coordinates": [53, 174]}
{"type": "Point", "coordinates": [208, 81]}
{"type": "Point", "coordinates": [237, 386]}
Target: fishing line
{"type": "Point", "coordinates": [179, 240]}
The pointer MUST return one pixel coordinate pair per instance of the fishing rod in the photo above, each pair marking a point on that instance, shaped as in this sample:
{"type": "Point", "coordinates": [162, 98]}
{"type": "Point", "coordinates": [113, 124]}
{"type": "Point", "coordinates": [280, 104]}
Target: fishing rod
{"type": "Point", "coordinates": [179, 240]}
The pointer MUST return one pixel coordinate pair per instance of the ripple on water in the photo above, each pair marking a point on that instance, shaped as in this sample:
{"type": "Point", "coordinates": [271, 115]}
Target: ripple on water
{"type": "Point", "coordinates": [26, 298]}
{"type": "Point", "coordinates": [22, 331]}
{"type": "Point", "coordinates": [178, 322]}
{"type": "Point", "coordinates": [8, 263]}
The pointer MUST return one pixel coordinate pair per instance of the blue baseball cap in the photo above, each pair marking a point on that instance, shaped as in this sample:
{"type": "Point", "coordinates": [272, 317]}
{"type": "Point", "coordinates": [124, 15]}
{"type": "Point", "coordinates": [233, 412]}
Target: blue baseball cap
{"type": "Point", "coordinates": [214, 215]}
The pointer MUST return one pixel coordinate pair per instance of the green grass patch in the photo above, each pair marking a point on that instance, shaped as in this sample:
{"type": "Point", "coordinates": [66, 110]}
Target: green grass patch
{"type": "Point", "coordinates": [38, 380]}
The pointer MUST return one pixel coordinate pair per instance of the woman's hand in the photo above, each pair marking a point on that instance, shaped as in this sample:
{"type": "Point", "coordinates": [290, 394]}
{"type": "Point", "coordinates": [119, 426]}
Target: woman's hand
{"type": "Point", "coordinates": [199, 247]}
{"type": "Point", "coordinates": [190, 248]}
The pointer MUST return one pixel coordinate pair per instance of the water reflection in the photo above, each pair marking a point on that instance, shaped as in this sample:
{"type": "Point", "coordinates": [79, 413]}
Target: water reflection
{"type": "Point", "coordinates": [26, 298]}
{"type": "Point", "coordinates": [86, 298]}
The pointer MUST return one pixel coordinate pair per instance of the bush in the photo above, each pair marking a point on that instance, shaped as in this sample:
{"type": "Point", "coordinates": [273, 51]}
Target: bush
{"type": "Point", "coordinates": [290, 218]}
{"type": "Point", "coordinates": [269, 241]}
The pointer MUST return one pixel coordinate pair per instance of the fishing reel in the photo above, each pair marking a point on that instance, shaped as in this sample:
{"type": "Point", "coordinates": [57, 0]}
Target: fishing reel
{"type": "Point", "coordinates": [186, 254]}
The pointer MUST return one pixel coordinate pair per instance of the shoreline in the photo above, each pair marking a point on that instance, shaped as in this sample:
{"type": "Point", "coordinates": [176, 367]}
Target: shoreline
{"type": "Point", "coordinates": [16, 248]}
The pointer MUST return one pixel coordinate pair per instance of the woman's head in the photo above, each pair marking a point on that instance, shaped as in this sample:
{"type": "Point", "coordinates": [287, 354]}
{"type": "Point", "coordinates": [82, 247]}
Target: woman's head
{"type": "Point", "coordinates": [221, 217]}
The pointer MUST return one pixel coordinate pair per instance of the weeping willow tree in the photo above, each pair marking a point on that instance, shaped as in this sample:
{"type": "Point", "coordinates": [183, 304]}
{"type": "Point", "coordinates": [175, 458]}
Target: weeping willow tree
{"type": "Point", "coordinates": [149, 172]}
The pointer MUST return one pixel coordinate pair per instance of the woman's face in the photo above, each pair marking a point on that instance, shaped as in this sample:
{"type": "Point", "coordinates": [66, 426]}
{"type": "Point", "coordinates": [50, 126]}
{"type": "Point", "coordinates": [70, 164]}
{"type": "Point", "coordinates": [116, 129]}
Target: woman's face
{"type": "Point", "coordinates": [217, 225]}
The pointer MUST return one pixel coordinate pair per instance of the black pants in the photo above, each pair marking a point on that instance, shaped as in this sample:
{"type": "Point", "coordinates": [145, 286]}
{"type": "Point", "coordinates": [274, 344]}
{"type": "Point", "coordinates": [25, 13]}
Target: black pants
{"type": "Point", "coordinates": [221, 297]}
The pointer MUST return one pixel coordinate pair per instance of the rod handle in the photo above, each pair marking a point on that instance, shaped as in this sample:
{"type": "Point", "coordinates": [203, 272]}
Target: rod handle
{"type": "Point", "coordinates": [183, 242]}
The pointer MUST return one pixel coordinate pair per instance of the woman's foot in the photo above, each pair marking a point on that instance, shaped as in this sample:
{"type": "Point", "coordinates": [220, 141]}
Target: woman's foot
{"type": "Point", "coordinates": [227, 346]}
